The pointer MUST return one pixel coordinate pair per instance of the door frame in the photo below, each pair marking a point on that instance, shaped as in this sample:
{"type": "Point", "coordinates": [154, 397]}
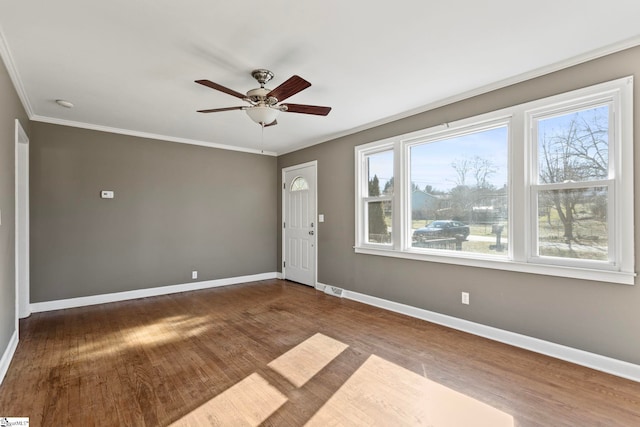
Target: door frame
{"type": "Point", "coordinates": [313, 163]}
{"type": "Point", "coordinates": [23, 308]}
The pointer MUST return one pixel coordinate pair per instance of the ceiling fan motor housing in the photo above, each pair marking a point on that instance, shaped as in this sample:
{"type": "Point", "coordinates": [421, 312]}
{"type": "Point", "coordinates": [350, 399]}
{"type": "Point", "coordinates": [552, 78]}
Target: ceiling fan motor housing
{"type": "Point", "coordinates": [259, 96]}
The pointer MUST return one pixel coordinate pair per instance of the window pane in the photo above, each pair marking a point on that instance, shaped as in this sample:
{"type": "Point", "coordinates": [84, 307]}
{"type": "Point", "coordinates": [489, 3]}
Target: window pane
{"type": "Point", "coordinates": [379, 222]}
{"type": "Point", "coordinates": [573, 223]}
{"type": "Point", "coordinates": [574, 147]}
{"type": "Point", "coordinates": [380, 173]}
{"type": "Point", "coordinates": [459, 193]}
{"type": "Point", "coordinates": [299, 184]}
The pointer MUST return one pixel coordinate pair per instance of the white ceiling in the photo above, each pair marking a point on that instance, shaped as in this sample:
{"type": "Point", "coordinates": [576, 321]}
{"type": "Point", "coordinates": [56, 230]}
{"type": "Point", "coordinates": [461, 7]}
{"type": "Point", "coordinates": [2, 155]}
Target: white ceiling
{"type": "Point", "coordinates": [129, 66]}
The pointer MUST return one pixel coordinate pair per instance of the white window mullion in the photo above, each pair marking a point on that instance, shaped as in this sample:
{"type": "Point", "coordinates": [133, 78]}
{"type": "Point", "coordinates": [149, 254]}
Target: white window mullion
{"type": "Point", "coordinates": [519, 180]}
{"type": "Point", "coordinates": [401, 203]}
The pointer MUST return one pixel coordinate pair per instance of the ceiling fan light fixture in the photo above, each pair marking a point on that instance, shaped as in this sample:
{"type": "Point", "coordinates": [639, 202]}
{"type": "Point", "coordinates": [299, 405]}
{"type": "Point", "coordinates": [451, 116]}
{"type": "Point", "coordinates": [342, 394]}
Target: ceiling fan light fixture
{"type": "Point", "coordinates": [262, 114]}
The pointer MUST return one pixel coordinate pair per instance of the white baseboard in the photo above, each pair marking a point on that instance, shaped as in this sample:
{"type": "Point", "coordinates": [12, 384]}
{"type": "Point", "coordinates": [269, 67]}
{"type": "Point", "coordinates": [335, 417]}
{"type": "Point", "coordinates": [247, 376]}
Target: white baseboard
{"type": "Point", "coordinates": [143, 293]}
{"type": "Point", "coordinates": [8, 355]}
{"type": "Point", "coordinates": [580, 357]}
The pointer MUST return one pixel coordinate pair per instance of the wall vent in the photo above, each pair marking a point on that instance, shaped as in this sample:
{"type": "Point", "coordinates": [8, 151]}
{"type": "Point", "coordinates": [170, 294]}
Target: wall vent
{"type": "Point", "coordinates": [332, 290]}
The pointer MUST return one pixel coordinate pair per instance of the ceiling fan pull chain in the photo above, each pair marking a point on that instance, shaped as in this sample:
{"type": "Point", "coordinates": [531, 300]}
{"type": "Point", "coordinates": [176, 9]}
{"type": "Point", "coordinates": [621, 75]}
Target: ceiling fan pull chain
{"type": "Point", "coordinates": [262, 141]}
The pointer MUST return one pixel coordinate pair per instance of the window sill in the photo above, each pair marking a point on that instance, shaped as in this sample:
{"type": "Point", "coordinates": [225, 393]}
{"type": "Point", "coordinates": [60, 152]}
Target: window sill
{"type": "Point", "coordinates": [624, 278]}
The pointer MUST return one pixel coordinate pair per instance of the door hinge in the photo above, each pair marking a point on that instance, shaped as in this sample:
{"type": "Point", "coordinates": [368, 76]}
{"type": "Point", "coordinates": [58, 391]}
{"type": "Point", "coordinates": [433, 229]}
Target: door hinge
{"type": "Point", "coordinates": [284, 264]}
{"type": "Point", "coordinates": [284, 185]}
{"type": "Point", "coordinates": [284, 225]}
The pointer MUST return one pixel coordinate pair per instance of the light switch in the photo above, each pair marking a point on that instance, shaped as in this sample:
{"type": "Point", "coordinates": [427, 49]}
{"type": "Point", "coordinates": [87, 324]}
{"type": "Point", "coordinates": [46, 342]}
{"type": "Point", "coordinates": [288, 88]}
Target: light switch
{"type": "Point", "coordinates": [321, 218]}
{"type": "Point", "coordinates": [106, 194]}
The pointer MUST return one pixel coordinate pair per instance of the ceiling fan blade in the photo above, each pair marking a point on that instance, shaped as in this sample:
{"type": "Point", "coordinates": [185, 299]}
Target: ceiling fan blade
{"type": "Point", "coordinates": [221, 88]}
{"type": "Point", "coordinates": [215, 110]}
{"type": "Point", "coordinates": [307, 109]}
{"type": "Point", "coordinates": [292, 86]}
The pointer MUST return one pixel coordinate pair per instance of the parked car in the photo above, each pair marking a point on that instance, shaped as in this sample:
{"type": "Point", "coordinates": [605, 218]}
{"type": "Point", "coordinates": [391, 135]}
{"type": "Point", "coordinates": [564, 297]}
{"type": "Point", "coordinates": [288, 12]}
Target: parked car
{"type": "Point", "coordinates": [441, 229]}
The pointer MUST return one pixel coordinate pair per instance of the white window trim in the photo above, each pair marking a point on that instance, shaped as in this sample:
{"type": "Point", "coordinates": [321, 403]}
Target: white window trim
{"type": "Point", "coordinates": [521, 176]}
{"type": "Point", "coordinates": [362, 188]}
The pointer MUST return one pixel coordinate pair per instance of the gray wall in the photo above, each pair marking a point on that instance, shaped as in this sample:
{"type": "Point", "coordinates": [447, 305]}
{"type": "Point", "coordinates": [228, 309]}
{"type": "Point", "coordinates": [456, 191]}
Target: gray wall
{"type": "Point", "coordinates": [177, 208]}
{"type": "Point", "coordinates": [597, 317]}
{"type": "Point", "coordinates": [10, 109]}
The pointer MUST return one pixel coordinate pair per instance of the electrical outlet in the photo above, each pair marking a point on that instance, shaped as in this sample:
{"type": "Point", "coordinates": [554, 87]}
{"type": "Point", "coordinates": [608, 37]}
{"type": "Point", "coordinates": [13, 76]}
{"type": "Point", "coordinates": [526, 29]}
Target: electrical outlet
{"type": "Point", "coordinates": [465, 298]}
{"type": "Point", "coordinates": [194, 274]}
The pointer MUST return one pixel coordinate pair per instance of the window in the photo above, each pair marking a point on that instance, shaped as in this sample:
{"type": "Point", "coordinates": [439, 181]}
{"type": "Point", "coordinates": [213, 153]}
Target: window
{"type": "Point", "coordinates": [377, 203]}
{"type": "Point", "coordinates": [459, 190]}
{"type": "Point", "coordinates": [544, 187]}
{"type": "Point", "coordinates": [299, 184]}
{"type": "Point", "coordinates": [571, 191]}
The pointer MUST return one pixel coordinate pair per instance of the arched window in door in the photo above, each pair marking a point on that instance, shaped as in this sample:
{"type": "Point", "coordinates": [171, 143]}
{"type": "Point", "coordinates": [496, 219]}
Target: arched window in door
{"type": "Point", "coordinates": [299, 184]}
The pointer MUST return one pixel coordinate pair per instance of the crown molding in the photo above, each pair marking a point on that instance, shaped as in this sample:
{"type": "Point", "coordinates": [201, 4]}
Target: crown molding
{"type": "Point", "coordinates": [5, 54]}
{"type": "Point", "coordinates": [529, 75]}
{"type": "Point", "coordinates": [9, 63]}
{"type": "Point", "coordinates": [148, 135]}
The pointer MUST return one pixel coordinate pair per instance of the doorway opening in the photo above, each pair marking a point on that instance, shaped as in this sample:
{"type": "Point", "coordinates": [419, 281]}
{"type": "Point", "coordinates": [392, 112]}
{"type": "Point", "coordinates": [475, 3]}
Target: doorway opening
{"type": "Point", "coordinates": [22, 222]}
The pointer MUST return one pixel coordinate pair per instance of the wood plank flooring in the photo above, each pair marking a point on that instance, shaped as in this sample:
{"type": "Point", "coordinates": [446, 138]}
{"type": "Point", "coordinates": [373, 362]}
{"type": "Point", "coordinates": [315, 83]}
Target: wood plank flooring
{"type": "Point", "coordinates": [280, 354]}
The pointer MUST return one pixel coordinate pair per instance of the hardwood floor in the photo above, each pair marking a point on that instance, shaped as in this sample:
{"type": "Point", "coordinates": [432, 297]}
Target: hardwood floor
{"type": "Point", "coordinates": [277, 353]}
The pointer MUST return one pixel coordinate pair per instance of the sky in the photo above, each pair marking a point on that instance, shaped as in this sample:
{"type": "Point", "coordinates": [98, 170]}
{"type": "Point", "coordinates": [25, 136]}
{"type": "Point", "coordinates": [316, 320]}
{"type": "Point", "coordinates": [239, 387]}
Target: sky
{"type": "Point", "coordinates": [431, 163]}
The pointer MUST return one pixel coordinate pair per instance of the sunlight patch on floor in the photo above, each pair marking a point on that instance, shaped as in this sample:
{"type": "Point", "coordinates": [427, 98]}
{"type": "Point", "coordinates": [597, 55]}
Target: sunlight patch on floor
{"type": "Point", "coordinates": [378, 393]}
{"type": "Point", "coordinates": [248, 403]}
{"type": "Point", "coordinates": [381, 393]}
{"type": "Point", "coordinates": [168, 329]}
{"type": "Point", "coordinates": [161, 331]}
{"type": "Point", "coordinates": [305, 360]}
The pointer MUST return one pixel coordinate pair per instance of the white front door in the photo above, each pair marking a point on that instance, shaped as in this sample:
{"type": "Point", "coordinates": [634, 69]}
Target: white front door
{"type": "Point", "coordinates": [299, 223]}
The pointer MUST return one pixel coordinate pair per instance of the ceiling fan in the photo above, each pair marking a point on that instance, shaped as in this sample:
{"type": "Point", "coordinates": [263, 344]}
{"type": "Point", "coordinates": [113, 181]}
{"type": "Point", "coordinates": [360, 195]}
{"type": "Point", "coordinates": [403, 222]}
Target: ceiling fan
{"type": "Point", "coordinates": [265, 104]}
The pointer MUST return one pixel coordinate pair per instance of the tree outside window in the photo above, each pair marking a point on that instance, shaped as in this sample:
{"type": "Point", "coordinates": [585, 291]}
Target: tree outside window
{"type": "Point", "coordinates": [573, 191]}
